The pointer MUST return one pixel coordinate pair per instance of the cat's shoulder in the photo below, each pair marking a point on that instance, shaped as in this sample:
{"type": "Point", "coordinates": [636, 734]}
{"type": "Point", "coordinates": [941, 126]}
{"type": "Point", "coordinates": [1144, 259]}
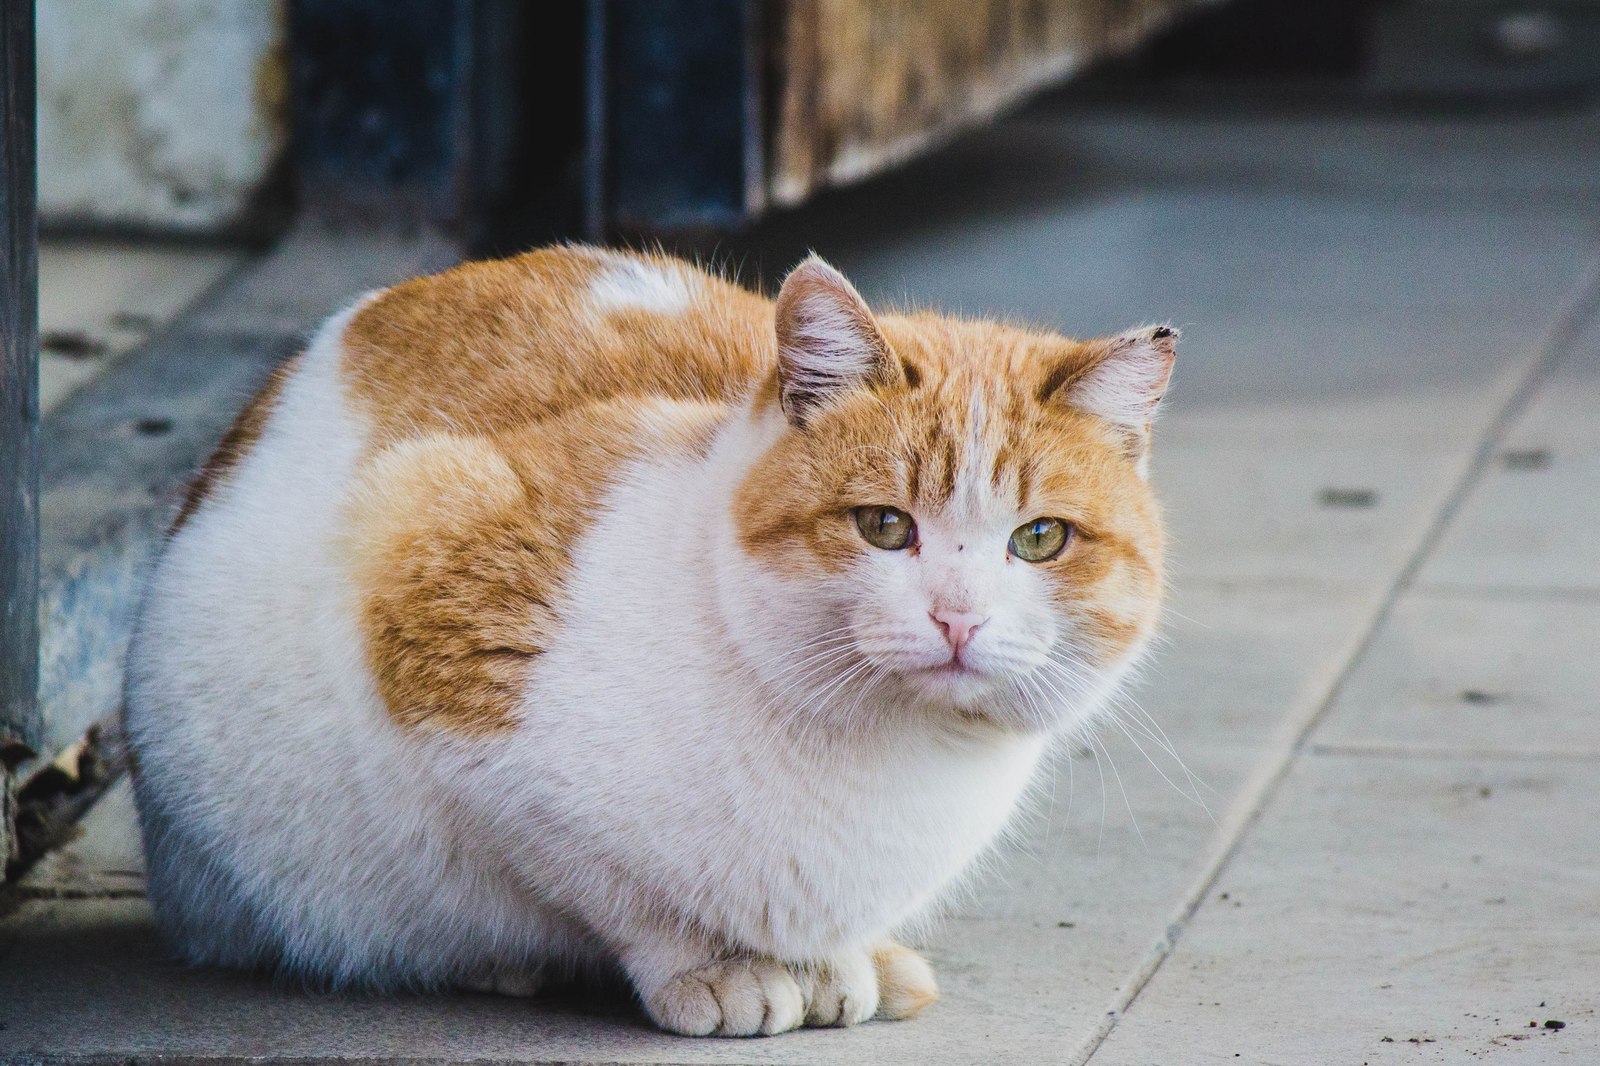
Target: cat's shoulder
{"type": "Point", "coordinates": [461, 548]}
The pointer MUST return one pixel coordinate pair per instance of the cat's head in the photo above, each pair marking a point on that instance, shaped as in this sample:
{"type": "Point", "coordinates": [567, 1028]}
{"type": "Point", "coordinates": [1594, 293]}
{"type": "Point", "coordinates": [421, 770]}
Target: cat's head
{"type": "Point", "coordinates": [955, 514]}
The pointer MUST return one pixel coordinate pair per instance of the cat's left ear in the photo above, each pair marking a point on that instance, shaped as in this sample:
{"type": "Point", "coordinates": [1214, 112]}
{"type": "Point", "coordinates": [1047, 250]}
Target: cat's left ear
{"type": "Point", "coordinates": [828, 343]}
{"type": "Point", "coordinates": [1123, 383]}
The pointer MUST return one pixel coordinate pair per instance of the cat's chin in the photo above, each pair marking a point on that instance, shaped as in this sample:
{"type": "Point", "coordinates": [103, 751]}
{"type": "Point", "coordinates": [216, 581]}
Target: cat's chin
{"type": "Point", "coordinates": [970, 697]}
{"type": "Point", "coordinates": [959, 686]}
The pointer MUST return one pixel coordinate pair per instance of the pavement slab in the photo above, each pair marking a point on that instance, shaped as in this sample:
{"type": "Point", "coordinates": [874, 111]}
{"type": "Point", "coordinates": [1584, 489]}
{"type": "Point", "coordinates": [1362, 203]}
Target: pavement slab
{"type": "Point", "coordinates": [1420, 885]}
{"type": "Point", "coordinates": [1530, 525]}
{"type": "Point", "coordinates": [1392, 910]}
{"type": "Point", "coordinates": [1455, 674]}
{"type": "Point", "coordinates": [100, 299]}
{"type": "Point", "coordinates": [1395, 155]}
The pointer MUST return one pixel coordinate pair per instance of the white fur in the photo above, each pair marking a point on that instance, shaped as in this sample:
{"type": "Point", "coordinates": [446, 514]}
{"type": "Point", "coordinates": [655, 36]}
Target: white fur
{"type": "Point", "coordinates": [1126, 388]}
{"type": "Point", "coordinates": [827, 347]}
{"type": "Point", "coordinates": [629, 284]}
{"type": "Point", "coordinates": [692, 773]}
{"type": "Point", "coordinates": [286, 819]}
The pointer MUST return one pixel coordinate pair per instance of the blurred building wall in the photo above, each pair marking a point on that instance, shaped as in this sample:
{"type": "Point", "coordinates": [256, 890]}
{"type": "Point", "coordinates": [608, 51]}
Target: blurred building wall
{"type": "Point", "coordinates": [172, 116]}
{"type": "Point", "coordinates": [158, 115]}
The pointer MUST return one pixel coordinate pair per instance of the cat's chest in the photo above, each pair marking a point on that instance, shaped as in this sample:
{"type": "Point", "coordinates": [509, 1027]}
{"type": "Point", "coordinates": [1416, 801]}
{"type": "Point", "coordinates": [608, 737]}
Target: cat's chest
{"type": "Point", "coordinates": [856, 843]}
{"type": "Point", "coordinates": [915, 807]}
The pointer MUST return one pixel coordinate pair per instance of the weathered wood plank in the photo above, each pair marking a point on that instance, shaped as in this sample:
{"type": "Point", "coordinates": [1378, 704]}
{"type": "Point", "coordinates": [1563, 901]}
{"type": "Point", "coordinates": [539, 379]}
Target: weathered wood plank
{"type": "Point", "coordinates": [20, 727]}
{"type": "Point", "coordinates": [860, 85]}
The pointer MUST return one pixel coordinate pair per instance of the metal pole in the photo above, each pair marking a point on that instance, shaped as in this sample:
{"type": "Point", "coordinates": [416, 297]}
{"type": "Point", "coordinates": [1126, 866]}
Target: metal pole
{"type": "Point", "coordinates": [19, 405]}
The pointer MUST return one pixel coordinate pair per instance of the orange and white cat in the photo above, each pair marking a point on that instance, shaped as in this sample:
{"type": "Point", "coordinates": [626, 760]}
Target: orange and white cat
{"type": "Point", "coordinates": [583, 610]}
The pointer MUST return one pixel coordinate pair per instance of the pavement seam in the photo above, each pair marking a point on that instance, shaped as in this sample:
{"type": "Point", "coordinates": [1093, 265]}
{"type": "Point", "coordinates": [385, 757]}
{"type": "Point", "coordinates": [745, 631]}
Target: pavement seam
{"type": "Point", "coordinates": [1582, 302]}
{"type": "Point", "coordinates": [1380, 751]}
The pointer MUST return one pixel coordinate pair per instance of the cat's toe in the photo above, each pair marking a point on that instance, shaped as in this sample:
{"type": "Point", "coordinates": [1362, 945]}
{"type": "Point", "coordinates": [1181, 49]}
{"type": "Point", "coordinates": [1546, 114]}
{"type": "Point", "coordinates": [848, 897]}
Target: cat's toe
{"type": "Point", "coordinates": [686, 1005]}
{"type": "Point", "coordinates": [765, 1002]}
{"type": "Point", "coordinates": [739, 997]}
{"type": "Point", "coordinates": [843, 991]}
{"type": "Point", "coordinates": [905, 981]}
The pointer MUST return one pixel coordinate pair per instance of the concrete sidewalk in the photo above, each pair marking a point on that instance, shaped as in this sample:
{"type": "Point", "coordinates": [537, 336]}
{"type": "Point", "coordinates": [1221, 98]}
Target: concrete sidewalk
{"type": "Point", "coordinates": [98, 299]}
{"type": "Point", "coordinates": [1354, 815]}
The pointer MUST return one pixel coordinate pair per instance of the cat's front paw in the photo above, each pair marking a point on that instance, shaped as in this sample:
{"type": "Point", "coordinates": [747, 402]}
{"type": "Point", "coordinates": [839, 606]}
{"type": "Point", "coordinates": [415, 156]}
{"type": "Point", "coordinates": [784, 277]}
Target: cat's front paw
{"type": "Point", "coordinates": [891, 982]}
{"type": "Point", "coordinates": [842, 991]}
{"type": "Point", "coordinates": [736, 997]}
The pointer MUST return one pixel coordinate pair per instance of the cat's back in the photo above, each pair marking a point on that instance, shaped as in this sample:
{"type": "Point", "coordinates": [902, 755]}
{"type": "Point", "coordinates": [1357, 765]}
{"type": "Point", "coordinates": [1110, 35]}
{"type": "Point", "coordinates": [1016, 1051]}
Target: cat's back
{"type": "Point", "coordinates": [488, 347]}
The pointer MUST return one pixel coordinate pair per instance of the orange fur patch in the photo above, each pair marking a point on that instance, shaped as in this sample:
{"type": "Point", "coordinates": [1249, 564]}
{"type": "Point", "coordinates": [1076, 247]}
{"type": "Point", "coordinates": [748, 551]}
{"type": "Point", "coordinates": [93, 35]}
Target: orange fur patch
{"type": "Point", "coordinates": [491, 347]}
{"type": "Point", "coordinates": [460, 546]}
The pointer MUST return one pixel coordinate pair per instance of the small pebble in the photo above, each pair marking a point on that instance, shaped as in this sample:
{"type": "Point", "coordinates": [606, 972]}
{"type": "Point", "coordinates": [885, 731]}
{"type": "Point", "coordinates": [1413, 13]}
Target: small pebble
{"type": "Point", "coordinates": [1527, 459]}
{"type": "Point", "coordinates": [1347, 497]}
{"type": "Point", "coordinates": [152, 427]}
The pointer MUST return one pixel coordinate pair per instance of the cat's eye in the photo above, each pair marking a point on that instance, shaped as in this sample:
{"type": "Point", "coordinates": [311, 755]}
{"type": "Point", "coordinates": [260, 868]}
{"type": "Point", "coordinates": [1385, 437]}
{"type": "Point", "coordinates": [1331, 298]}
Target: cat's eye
{"type": "Point", "coordinates": [1040, 540]}
{"type": "Point", "coordinates": [888, 528]}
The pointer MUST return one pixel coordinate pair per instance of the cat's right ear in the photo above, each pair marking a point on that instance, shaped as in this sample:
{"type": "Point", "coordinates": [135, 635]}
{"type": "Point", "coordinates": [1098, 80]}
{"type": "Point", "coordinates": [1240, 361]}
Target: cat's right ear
{"type": "Point", "coordinates": [1121, 380]}
{"type": "Point", "coordinates": [828, 343]}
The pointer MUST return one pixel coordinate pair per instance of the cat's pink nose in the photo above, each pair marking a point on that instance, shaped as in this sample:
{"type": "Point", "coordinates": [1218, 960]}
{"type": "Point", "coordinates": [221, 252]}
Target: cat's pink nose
{"type": "Point", "coordinates": [958, 626]}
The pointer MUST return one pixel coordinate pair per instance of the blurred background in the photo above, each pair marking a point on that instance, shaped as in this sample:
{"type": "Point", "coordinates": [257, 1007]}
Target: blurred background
{"type": "Point", "coordinates": [1350, 813]}
{"type": "Point", "coordinates": [506, 124]}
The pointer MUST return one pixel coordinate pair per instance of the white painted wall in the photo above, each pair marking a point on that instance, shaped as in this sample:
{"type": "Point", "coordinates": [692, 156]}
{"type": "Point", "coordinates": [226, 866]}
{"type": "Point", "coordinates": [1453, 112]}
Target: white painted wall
{"type": "Point", "coordinates": [158, 114]}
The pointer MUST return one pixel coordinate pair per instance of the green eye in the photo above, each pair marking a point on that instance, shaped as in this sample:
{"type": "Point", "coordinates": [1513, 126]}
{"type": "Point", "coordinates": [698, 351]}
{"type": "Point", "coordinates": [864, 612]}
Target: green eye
{"type": "Point", "coordinates": [1041, 540]}
{"type": "Point", "coordinates": [888, 528]}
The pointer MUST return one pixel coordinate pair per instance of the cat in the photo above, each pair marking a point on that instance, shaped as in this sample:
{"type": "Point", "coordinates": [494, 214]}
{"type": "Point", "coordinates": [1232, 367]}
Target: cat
{"type": "Point", "coordinates": [584, 612]}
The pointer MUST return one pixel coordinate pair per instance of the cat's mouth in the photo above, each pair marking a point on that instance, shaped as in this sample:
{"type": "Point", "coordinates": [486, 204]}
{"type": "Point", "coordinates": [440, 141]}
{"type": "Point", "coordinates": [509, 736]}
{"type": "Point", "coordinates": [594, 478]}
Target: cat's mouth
{"type": "Point", "coordinates": [953, 679]}
{"type": "Point", "coordinates": [949, 679]}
